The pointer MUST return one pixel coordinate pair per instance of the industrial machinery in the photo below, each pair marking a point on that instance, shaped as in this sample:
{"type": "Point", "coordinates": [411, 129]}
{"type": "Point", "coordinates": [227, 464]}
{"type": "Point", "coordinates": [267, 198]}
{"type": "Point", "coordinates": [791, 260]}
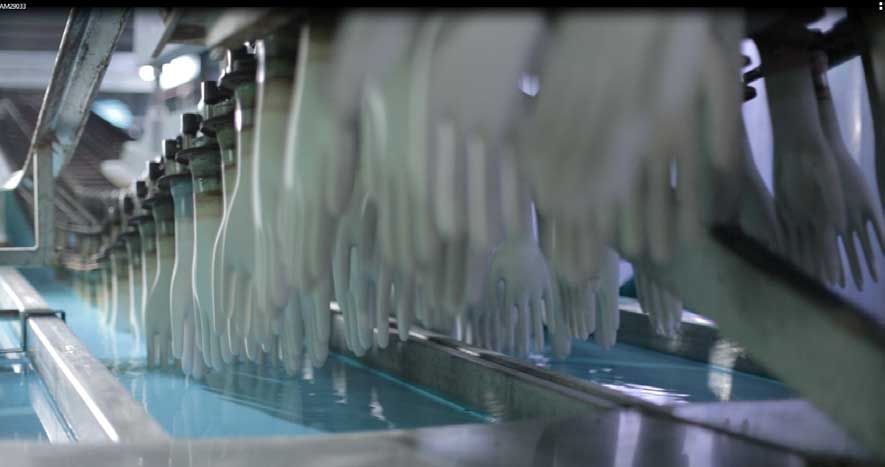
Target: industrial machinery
{"type": "Point", "coordinates": [521, 237]}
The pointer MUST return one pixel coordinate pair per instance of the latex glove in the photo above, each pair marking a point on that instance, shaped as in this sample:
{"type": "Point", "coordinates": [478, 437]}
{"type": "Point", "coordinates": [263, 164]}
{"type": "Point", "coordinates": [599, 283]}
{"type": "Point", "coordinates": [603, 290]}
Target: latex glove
{"type": "Point", "coordinates": [208, 211]}
{"type": "Point", "coordinates": [105, 292]}
{"type": "Point", "coordinates": [469, 113]}
{"type": "Point", "coordinates": [320, 166]}
{"type": "Point", "coordinates": [578, 305]}
{"type": "Point", "coordinates": [663, 308]}
{"type": "Point", "coordinates": [609, 317]}
{"type": "Point", "coordinates": [756, 212]}
{"type": "Point", "coordinates": [573, 249]}
{"type": "Point", "coordinates": [237, 251]}
{"type": "Point", "coordinates": [276, 56]}
{"type": "Point", "coordinates": [313, 308]}
{"type": "Point", "coordinates": [385, 112]}
{"type": "Point", "coordinates": [192, 363]}
{"type": "Point", "coordinates": [808, 192]}
{"type": "Point", "coordinates": [412, 146]}
{"type": "Point", "coordinates": [874, 73]}
{"type": "Point", "coordinates": [158, 323]}
{"type": "Point", "coordinates": [860, 201]}
{"type": "Point", "coordinates": [148, 270]}
{"type": "Point", "coordinates": [521, 293]}
{"type": "Point", "coordinates": [584, 121]}
{"type": "Point", "coordinates": [354, 270]}
{"type": "Point", "coordinates": [292, 335]}
{"type": "Point", "coordinates": [181, 298]}
{"type": "Point", "coordinates": [369, 48]}
{"type": "Point", "coordinates": [119, 317]}
{"type": "Point", "coordinates": [675, 193]}
{"type": "Point", "coordinates": [136, 319]}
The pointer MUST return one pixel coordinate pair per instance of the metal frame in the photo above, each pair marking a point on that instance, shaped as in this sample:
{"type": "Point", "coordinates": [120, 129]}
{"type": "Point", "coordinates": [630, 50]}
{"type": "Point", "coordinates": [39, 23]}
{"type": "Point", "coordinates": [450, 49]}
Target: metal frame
{"type": "Point", "coordinates": [84, 53]}
{"type": "Point", "coordinates": [91, 400]}
{"type": "Point", "coordinates": [608, 438]}
{"type": "Point", "coordinates": [226, 28]}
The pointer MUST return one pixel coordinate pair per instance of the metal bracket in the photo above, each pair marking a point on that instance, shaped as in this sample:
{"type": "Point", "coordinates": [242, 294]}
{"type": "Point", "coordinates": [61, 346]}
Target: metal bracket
{"type": "Point", "coordinates": [84, 53]}
{"type": "Point", "coordinates": [24, 315]}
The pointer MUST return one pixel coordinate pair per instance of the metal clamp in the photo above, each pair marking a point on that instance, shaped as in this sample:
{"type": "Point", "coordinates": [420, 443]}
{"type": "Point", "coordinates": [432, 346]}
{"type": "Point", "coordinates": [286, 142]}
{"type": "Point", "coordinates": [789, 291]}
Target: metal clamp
{"type": "Point", "coordinates": [24, 315]}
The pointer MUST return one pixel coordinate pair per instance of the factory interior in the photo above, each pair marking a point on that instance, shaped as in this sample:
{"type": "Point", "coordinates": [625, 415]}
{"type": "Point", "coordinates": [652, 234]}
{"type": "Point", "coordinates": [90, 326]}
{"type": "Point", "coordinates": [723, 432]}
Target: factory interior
{"type": "Point", "coordinates": [278, 236]}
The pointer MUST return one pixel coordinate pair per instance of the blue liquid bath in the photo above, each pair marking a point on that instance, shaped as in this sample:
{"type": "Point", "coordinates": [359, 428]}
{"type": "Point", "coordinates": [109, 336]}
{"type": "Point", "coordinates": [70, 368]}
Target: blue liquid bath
{"type": "Point", "coordinates": [18, 420]}
{"type": "Point", "coordinates": [247, 400]}
{"type": "Point", "coordinates": [24, 399]}
{"type": "Point", "coordinates": [660, 378]}
{"type": "Point", "coordinates": [346, 396]}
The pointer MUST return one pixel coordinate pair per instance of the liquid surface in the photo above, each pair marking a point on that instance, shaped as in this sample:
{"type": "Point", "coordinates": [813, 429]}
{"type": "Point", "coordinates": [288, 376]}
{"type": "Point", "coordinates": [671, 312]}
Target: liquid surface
{"type": "Point", "coordinates": [346, 396]}
{"type": "Point", "coordinates": [660, 378]}
{"type": "Point", "coordinates": [247, 400]}
{"type": "Point", "coordinates": [25, 405]}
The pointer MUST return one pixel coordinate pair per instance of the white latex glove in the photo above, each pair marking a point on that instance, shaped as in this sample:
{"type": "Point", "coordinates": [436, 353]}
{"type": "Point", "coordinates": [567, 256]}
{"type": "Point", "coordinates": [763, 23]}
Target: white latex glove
{"type": "Point", "coordinates": [370, 56]}
{"type": "Point", "coordinates": [412, 146]}
{"type": "Point", "coordinates": [292, 336]}
{"type": "Point", "coordinates": [318, 320]}
{"type": "Point", "coordinates": [148, 268]}
{"type": "Point", "coordinates": [874, 74]}
{"type": "Point", "coordinates": [119, 317]}
{"type": "Point", "coordinates": [192, 363]}
{"type": "Point", "coordinates": [756, 209]}
{"type": "Point", "coordinates": [609, 317]}
{"type": "Point", "coordinates": [275, 83]}
{"type": "Point", "coordinates": [158, 322]}
{"type": "Point", "coordinates": [807, 189]}
{"type": "Point", "coordinates": [238, 249]}
{"type": "Point", "coordinates": [385, 149]}
{"type": "Point", "coordinates": [609, 135]}
{"type": "Point", "coordinates": [315, 150]}
{"type": "Point", "coordinates": [208, 212]}
{"type": "Point", "coordinates": [860, 201]}
{"type": "Point", "coordinates": [663, 308]}
{"type": "Point", "coordinates": [578, 305]}
{"type": "Point", "coordinates": [136, 323]}
{"type": "Point", "coordinates": [521, 293]}
{"type": "Point", "coordinates": [105, 292]}
{"type": "Point", "coordinates": [699, 56]}
{"type": "Point", "coordinates": [476, 66]}
{"type": "Point", "coordinates": [226, 133]}
{"type": "Point", "coordinates": [181, 298]}
{"type": "Point", "coordinates": [582, 135]}
{"type": "Point", "coordinates": [354, 268]}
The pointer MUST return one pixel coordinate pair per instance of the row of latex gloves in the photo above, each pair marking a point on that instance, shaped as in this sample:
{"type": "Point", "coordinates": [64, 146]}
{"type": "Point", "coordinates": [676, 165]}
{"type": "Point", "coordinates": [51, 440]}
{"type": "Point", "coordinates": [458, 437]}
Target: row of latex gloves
{"type": "Point", "coordinates": [382, 157]}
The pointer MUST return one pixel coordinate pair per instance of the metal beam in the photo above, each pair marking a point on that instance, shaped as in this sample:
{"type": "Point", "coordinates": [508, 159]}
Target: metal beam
{"type": "Point", "coordinates": [91, 400]}
{"type": "Point", "coordinates": [606, 438]}
{"type": "Point", "coordinates": [83, 56]}
{"type": "Point", "coordinates": [227, 29]}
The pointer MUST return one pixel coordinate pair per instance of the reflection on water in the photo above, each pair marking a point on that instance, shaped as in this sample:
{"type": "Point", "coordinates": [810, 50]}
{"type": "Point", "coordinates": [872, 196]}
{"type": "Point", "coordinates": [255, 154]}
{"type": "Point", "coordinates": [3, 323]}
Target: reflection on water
{"type": "Point", "coordinates": [259, 401]}
{"type": "Point", "coordinates": [660, 378]}
{"type": "Point", "coordinates": [18, 417]}
{"type": "Point", "coordinates": [248, 400]}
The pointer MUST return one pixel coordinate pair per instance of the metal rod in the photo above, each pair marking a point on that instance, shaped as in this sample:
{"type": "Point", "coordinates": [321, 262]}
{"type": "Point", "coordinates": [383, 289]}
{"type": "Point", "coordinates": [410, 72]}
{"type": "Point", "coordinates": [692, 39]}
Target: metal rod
{"type": "Point", "coordinates": [92, 401]}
